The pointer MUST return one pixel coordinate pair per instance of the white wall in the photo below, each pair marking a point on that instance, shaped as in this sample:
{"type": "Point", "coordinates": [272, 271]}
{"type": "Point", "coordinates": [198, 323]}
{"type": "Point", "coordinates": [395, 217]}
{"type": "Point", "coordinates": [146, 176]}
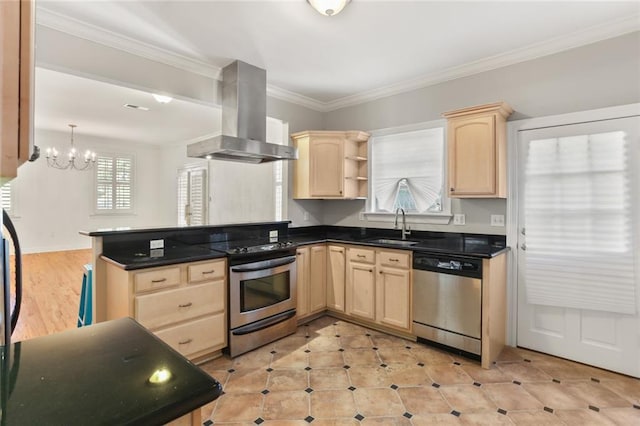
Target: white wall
{"type": "Point", "coordinates": [594, 76]}
{"type": "Point", "coordinates": [52, 206]}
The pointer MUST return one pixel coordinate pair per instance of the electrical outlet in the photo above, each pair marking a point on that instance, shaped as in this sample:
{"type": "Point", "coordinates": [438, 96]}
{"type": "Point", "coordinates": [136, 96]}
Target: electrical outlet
{"type": "Point", "coordinates": [156, 244]}
{"type": "Point", "coordinates": [458, 219]}
{"type": "Point", "coordinates": [273, 236]}
{"type": "Point", "coordinates": [497, 220]}
{"type": "Point", "coordinates": [306, 216]}
{"type": "Point", "coordinates": [361, 216]}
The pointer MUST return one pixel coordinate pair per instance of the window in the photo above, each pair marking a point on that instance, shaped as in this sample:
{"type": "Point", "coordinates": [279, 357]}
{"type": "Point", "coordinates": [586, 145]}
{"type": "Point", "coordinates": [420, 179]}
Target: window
{"type": "Point", "coordinates": [277, 172]}
{"type": "Point", "coordinates": [114, 184]}
{"type": "Point", "coordinates": [6, 197]}
{"type": "Point", "coordinates": [407, 171]}
{"type": "Point", "coordinates": [192, 196]}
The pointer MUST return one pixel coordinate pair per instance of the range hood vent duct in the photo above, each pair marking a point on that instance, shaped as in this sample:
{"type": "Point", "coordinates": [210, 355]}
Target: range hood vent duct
{"type": "Point", "coordinates": [244, 120]}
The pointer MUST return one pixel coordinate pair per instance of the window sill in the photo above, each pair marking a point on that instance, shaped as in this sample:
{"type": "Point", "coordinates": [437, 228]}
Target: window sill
{"type": "Point", "coordinates": [434, 219]}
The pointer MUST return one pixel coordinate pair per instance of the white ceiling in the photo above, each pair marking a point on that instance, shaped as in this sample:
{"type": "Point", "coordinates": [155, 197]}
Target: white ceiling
{"type": "Point", "coordinates": [373, 48]}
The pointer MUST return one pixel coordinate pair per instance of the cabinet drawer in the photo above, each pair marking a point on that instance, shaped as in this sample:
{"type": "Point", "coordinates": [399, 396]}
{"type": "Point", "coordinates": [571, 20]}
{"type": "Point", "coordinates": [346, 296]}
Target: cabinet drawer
{"type": "Point", "coordinates": [167, 307]}
{"type": "Point", "coordinates": [396, 259]}
{"type": "Point", "coordinates": [206, 271]}
{"type": "Point", "coordinates": [158, 278]}
{"type": "Point", "coordinates": [196, 336]}
{"type": "Point", "coordinates": [361, 255]}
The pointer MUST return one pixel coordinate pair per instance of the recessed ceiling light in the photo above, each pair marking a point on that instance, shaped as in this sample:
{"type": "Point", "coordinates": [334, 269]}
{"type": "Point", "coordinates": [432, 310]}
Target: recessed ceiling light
{"type": "Point", "coordinates": [162, 98]}
{"type": "Point", "coordinates": [135, 107]}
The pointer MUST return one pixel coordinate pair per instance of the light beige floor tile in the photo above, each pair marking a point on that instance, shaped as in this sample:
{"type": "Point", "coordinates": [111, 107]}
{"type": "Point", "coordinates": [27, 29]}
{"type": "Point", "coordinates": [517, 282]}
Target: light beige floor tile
{"type": "Point", "coordinates": [291, 343]}
{"type": "Point", "coordinates": [245, 381]}
{"type": "Point", "coordinates": [286, 405]}
{"type": "Point", "coordinates": [298, 359]}
{"type": "Point", "coordinates": [555, 395]}
{"type": "Point", "coordinates": [380, 340]}
{"type": "Point", "coordinates": [221, 363]}
{"type": "Point", "coordinates": [626, 387]}
{"type": "Point", "coordinates": [386, 421]}
{"type": "Point", "coordinates": [584, 418]}
{"type": "Point", "coordinates": [524, 372]}
{"type": "Point", "coordinates": [467, 398]}
{"type": "Point", "coordinates": [448, 374]}
{"type": "Point", "coordinates": [281, 422]}
{"type": "Point", "coordinates": [369, 377]}
{"type": "Point", "coordinates": [534, 418]}
{"type": "Point", "coordinates": [597, 395]}
{"type": "Point", "coordinates": [423, 400]}
{"type": "Point", "coordinates": [482, 375]}
{"type": "Point", "coordinates": [510, 354]}
{"type": "Point", "coordinates": [623, 416]}
{"type": "Point", "coordinates": [484, 419]}
{"type": "Point", "coordinates": [356, 342]}
{"type": "Point", "coordinates": [429, 355]}
{"type": "Point", "coordinates": [344, 328]}
{"type": "Point", "coordinates": [324, 343]}
{"type": "Point", "coordinates": [361, 357]}
{"type": "Point", "coordinates": [509, 396]}
{"type": "Point", "coordinates": [435, 419]}
{"type": "Point", "coordinates": [240, 407]}
{"type": "Point", "coordinates": [332, 404]}
{"type": "Point", "coordinates": [335, 422]}
{"type": "Point", "coordinates": [287, 380]}
{"type": "Point", "coordinates": [396, 355]}
{"type": "Point", "coordinates": [258, 358]}
{"type": "Point", "coordinates": [378, 402]}
{"type": "Point", "coordinates": [408, 375]}
{"type": "Point", "coordinates": [328, 378]}
{"type": "Point", "coordinates": [326, 359]}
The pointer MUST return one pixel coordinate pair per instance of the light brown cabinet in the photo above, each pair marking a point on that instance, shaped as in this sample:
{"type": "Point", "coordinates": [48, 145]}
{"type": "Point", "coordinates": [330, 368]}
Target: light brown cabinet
{"type": "Point", "coordinates": [311, 278]}
{"type": "Point", "coordinates": [361, 283]}
{"type": "Point", "coordinates": [331, 164]}
{"type": "Point", "coordinates": [477, 151]}
{"type": "Point", "coordinates": [393, 286]}
{"type": "Point", "coordinates": [336, 258]}
{"type": "Point", "coordinates": [17, 40]}
{"type": "Point", "coordinates": [184, 304]}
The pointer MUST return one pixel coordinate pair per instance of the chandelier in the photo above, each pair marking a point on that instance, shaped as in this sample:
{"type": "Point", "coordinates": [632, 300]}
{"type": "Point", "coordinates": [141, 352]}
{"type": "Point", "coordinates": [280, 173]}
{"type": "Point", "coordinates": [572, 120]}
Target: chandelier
{"type": "Point", "coordinates": [71, 160]}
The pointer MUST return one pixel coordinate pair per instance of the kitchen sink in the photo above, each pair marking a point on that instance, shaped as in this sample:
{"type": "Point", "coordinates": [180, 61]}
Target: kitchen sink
{"type": "Point", "coordinates": [391, 242]}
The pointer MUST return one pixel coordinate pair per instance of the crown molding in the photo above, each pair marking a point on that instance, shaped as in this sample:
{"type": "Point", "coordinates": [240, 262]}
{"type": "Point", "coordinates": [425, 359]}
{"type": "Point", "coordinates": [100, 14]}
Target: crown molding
{"type": "Point", "coordinates": [589, 35]}
{"type": "Point", "coordinates": [77, 28]}
{"type": "Point", "coordinates": [96, 34]}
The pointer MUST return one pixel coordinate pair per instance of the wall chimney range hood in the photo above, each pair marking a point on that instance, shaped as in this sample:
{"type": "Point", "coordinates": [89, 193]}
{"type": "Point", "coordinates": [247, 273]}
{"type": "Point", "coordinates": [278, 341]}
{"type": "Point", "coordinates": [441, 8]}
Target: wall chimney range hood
{"type": "Point", "coordinates": [244, 121]}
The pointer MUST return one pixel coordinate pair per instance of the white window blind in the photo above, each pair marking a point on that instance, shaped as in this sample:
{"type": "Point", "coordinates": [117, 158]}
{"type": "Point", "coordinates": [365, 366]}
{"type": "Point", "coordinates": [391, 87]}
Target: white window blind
{"type": "Point", "coordinates": [192, 196]}
{"type": "Point", "coordinates": [114, 184]}
{"type": "Point", "coordinates": [578, 222]}
{"type": "Point", "coordinates": [407, 171]}
{"type": "Point", "coordinates": [6, 197]}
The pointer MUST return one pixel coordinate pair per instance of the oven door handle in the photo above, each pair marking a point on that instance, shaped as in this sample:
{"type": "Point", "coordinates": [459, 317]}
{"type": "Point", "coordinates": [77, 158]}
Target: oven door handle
{"type": "Point", "coordinates": [262, 324]}
{"type": "Point", "coordinates": [266, 264]}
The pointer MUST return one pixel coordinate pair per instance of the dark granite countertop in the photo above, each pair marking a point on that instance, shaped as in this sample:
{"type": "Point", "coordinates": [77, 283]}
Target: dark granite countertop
{"type": "Point", "coordinates": [99, 375]}
{"type": "Point", "coordinates": [173, 253]}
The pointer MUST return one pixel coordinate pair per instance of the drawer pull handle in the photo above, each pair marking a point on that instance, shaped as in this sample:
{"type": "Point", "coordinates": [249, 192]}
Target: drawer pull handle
{"type": "Point", "coordinates": [161, 280]}
{"type": "Point", "coordinates": [185, 305]}
{"type": "Point", "coordinates": [370, 270]}
{"type": "Point", "coordinates": [208, 272]}
{"type": "Point", "coordinates": [184, 342]}
{"type": "Point", "coordinates": [394, 260]}
{"type": "Point", "coordinates": [361, 255]}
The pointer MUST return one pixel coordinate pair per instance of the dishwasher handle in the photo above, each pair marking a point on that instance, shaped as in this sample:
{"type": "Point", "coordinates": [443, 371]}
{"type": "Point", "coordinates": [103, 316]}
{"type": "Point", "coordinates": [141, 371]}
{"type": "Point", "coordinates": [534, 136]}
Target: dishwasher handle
{"type": "Point", "coordinates": [464, 266]}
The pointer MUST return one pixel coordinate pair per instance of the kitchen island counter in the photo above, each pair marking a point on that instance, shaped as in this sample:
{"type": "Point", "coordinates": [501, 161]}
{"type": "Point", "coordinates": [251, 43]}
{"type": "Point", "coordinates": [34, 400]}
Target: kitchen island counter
{"type": "Point", "coordinates": [100, 375]}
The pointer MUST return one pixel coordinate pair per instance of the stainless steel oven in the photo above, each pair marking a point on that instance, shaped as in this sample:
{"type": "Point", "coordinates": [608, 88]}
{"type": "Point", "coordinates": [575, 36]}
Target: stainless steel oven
{"type": "Point", "coordinates": [262, 301]}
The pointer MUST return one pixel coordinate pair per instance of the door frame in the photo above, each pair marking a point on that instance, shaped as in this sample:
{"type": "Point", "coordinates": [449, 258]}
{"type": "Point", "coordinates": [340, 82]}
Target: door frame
{"type": "Point", "coordinates": [513, 129]}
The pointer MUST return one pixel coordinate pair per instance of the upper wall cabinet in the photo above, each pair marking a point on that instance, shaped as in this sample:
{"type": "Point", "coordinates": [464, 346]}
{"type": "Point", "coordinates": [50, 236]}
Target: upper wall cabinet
{"type": "Point", "coordinates": [476, 139]}
{"type": "Point", "coordinates": [16, 85]}
{"type": "Point", "coordinates": [331, 165]}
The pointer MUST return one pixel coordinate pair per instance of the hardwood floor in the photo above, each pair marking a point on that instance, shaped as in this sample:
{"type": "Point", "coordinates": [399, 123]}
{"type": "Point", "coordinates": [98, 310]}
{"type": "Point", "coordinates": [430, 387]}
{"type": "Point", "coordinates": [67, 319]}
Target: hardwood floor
{"type": "Point", "coordinates": [51, 292]}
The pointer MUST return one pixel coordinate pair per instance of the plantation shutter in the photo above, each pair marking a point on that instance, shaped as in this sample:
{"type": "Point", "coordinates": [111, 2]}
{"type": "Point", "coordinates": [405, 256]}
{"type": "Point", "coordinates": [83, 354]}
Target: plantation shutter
{"type": "Point", "coordinates": [192, 196]}
{"type": "Point", "coordinates": [578, 221]}
{"type": "Point", "coordinates": [5, 195]}
{"type": "Point", "coordinates": [114, 184]}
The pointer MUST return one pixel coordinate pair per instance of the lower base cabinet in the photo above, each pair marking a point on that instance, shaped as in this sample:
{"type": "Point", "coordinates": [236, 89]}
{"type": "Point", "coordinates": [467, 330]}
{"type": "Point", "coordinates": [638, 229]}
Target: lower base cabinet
{"type": "Point", "coordinates": [183, 304]}
{"type": "Point", "coordinates": [336, 273]}
{"type": "Point", "coordinates": [311, 280]}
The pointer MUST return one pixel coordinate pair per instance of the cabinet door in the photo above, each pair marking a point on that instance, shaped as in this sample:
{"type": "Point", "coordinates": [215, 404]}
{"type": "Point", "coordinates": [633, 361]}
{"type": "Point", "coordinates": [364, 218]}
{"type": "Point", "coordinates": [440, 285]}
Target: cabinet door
{"type": "Point", "coordinates": [335, 278]}
{"type": "Point", "coordinates": [472, 156]}
{"type": "Point", "coordinates": [394, 297]}
{"type": "Point", "coordinates": [327, 167]}
{"type": "Point", "coordinates": [361, 290]}
{"type": "Point", "coordinates": [302, 281]}
{"type": "Point", "coordinates": [317, 278]}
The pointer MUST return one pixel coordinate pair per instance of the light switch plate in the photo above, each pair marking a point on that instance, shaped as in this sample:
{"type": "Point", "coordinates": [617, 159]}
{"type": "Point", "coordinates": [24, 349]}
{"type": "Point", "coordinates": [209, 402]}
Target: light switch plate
{"type": "Point", "coordinates": [156, 244]}
{"type": "Point", "coordinates": [306, 216]}
{"type": "Point", "coordinates": [458, 219]}
{"type": "Point", "coordinates": [497, 220]}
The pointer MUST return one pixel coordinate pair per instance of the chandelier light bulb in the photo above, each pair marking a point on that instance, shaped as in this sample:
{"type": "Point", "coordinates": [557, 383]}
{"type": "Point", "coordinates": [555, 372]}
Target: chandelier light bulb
{"type": "Point", "coordinates": [328, 7]}
{"type": "Point", "coordinates": [70, 163]}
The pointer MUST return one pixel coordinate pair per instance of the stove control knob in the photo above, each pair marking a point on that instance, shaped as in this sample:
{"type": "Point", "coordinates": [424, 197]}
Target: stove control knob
{"type": "Point", "coordinates": [242, 250]}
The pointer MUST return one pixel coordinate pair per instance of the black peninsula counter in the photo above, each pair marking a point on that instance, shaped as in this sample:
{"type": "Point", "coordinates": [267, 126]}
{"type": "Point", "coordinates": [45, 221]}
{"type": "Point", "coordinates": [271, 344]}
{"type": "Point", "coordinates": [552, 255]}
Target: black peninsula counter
{"type": "Point", "coordinates": [110, 373]}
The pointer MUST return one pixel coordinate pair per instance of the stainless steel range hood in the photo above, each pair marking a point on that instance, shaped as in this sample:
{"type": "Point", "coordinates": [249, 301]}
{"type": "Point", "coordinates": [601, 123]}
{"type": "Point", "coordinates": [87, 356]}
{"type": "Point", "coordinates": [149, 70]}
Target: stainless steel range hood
{"type": "Point", "coordinates": [244, 120]}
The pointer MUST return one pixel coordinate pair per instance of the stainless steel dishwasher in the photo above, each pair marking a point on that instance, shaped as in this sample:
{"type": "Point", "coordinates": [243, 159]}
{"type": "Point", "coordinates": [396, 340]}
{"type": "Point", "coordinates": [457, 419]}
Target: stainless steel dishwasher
{"type": "Point", "coordinates": [447, 301]}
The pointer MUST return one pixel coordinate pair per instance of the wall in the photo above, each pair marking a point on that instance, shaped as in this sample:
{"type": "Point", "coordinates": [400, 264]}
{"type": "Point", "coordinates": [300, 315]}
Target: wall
{"type": "Point", "coordinates": [51, 205]}
{"type": "Point", "coordinates": [594, 76]}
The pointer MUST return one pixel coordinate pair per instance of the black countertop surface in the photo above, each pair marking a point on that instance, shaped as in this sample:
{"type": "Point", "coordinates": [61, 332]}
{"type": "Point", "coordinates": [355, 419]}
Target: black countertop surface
{"type": "Point", "coordinates": [99, 375]}
{"type": "Point", "coordinates": [172, 253]}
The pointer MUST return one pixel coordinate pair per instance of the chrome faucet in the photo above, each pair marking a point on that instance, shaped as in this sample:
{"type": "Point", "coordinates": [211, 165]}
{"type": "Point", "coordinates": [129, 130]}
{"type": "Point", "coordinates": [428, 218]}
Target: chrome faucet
{"type": "Point", "coordinates": [405, 231]}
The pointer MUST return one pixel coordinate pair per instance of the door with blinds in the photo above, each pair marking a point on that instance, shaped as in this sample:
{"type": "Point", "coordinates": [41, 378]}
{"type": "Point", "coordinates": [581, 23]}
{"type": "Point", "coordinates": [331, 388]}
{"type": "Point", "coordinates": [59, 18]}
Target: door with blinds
{"type": "Point", "coordinates": [192, 196]}
{"type": "Point", "coordinates": [578, 264]}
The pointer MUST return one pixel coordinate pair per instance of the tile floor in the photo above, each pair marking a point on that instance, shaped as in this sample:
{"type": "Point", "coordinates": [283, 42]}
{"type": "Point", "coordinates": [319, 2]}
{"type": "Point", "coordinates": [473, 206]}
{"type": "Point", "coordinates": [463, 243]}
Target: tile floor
{"type": "Point", "coordinates": [332, 372]}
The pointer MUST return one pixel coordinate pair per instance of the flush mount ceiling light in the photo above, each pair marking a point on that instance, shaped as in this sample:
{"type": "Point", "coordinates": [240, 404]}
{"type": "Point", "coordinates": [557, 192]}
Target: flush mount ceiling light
{"type": "Point", "coordinates": [69, 160]}
{"type": "Point", "coordinates": [162, 98]}
{"type": "Point", "coordinates": [328, 7]}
